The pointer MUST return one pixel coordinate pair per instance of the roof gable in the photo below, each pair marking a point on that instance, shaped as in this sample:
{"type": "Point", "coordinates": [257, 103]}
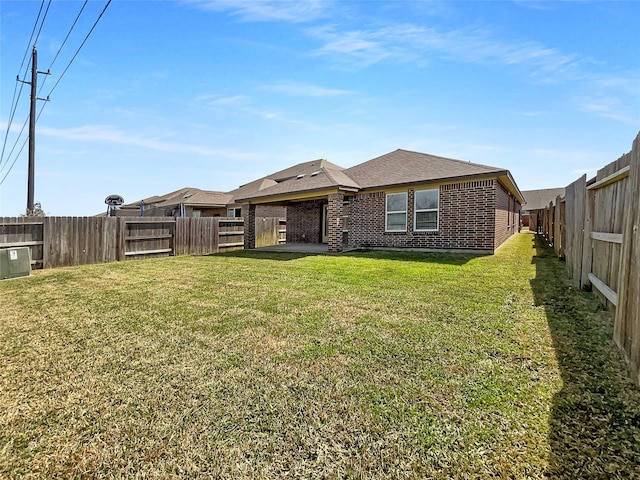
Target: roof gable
{"type": "Point", "coordinates": [304, 168]}
{"type": "Point", "coordinates": [324, 178]}
{"type": "Point", "coordinates": [539, 199]}
{"type": "Point", "coordinates": [251, 188]}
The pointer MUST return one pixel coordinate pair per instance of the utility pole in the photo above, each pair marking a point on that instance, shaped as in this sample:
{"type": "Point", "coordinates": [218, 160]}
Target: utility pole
{"type": "Point", "coordinates": [32, 128]}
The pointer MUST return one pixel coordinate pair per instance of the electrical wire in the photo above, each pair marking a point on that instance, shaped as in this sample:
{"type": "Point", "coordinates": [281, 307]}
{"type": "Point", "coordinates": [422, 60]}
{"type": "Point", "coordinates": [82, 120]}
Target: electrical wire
{"type": "Point", "coordinates": [18, 154]}
{"type": "Point", "coordinates": [56, 84]}
{"type": "Point", "coordinates": [14, 101]}
{"type": "Point", "coordinates": [63, 44]}
{"type": "Point", "coordinates": [42, 23]}
{"type": "Point", "coordinates": [24, 125]}
{"type": "Point", "coordinates": [80, 47]}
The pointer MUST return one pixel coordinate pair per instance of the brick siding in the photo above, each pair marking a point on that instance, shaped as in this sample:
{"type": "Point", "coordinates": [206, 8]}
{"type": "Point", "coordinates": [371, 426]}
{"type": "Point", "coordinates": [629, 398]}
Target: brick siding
{"type": "Point", "coordinates": [507, 215]}
{"type": "Point", "coordinates": [335, 213]}
{"type": "Point", "coordinates": [304, 222]}
{"type": "Point", "coordinates": [466, 220]}
{"type": "Point", "coordinates": [271, 211]}
{"type": "Point", "coordinates": [249, 215]}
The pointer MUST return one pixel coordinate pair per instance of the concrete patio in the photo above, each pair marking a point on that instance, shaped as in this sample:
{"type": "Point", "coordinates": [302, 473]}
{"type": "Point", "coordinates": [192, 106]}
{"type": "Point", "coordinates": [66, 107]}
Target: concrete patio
{"type": "Point", "coordinates": [296, 248]}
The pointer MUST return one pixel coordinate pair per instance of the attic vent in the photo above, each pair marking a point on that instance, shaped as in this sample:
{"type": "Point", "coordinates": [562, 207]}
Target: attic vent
{"type": "Point", "coordinates": [313, 174]}
{"type": "Point", "coordinates": [300, 176]}
{"type": "Point", "coordinates": [188, 195]}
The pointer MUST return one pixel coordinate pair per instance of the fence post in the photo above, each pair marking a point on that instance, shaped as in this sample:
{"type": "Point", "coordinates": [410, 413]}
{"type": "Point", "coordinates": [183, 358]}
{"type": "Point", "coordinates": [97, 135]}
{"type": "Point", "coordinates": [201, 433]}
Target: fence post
{"type": "Point", "coordinates": [587, 246]}
{"type": "Point", "coordinates": [120, 241]}
{"type": "Point", "coordinates": [626, 331]}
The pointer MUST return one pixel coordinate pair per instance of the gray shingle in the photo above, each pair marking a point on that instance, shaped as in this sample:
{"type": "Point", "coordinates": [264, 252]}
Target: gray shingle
{"type": "Point", "coordinates": [405, 167]}
{"type": "Point", "coordinates": [539, 199]}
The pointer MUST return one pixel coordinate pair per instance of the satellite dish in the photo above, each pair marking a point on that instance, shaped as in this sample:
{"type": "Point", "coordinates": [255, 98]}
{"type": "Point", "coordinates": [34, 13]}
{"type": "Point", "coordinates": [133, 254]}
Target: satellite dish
{"type": "Point", "coordinates": [114, 200]}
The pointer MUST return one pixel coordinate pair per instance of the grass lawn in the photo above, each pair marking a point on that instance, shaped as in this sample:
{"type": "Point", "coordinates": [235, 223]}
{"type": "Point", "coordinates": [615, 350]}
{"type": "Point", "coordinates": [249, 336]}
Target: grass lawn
{"type": "Point", "coordinates": [362, 365]}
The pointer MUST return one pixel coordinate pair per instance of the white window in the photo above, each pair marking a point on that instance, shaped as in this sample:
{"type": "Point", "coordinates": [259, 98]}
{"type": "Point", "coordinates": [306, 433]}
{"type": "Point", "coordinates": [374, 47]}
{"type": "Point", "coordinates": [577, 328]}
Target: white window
{"type": "Point", "coordinates": [426, 210]}
{"type": "Point", "coordinates": [234, 212]}
{"type": "Point", "coordinates": [396, 213]}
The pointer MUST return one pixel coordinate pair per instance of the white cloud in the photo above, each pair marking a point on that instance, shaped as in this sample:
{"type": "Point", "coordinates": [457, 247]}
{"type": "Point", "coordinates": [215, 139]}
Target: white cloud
{"type": "Point", "coordinates": [296, 11]}
{"type": "Point", "coordinates": [304, 90]}
{"type": "Point", "coordinates": [612, 108]}
{"type": "Point", "coordinates": [408, 42]}
{"type": "Point", "coordinates": [217, 101]}
{"type": "Point", "coordinates": [532, 113]}
{"type": "Point", "coordinates": [109, 134]}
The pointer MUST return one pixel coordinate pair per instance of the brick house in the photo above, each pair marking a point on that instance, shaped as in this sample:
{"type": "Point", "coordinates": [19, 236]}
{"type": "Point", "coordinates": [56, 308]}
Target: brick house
{"type": "Point", "coordinates": [402, 199]}
{"type": "Point", "coordinates": [535, 203]}
{"type": "Point", "coordinates": [186, 202]}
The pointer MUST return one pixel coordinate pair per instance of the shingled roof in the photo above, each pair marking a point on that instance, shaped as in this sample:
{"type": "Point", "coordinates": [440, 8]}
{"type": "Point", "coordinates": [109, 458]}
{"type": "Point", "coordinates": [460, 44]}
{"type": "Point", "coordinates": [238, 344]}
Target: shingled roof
{"type": "Point", "coordinates": [187, 196]}
{"type": "Point", "coordinates": [317, 180]}
{"type": "Point", "coordinates": [251, 188]}
{"type": "Point", "coordinates": [304, 168]}
{"type": "Point", "coordinates": [400, 167]}
{"type": "Point", "coordinates": [404, 167]}
{"type": "Point", "coordinates": [539, 199]}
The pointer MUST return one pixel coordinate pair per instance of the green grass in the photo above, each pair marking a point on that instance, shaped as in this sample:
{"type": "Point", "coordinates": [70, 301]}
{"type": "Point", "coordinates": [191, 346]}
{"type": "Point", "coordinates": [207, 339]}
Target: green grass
{"type": "Point", "coordinates": [362, 365]}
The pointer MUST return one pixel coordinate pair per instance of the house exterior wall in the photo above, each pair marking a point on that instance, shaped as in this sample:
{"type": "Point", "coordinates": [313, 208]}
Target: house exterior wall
{"type": "Point", "coordinates": [507, 214]}
{"type": "Point", "coordinates": [265, 210]}
{"type": "Point", "coordinates": [271, 211]}
{"type": "Point", "coordinates": [249, 216]}
{"type": "Point", "coordinates": [466, 219]}
{"type": "Point", "coordinates": [335, 213]}
{"type": "Point", "coordinates": [304, 221]}
{"type": "Point", "coordinates": [206, 211]}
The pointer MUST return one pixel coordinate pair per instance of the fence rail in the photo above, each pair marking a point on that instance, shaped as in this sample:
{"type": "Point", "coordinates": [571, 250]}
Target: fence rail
{"type": "Point", "coordinates": [595, 228]}
{"type": "Point", "coordinates": [67, 241]}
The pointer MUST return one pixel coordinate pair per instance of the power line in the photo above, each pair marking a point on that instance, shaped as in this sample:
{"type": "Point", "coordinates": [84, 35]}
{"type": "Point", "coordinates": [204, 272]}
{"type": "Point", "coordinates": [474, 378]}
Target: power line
{"type": "Point", "coordinates": [80, 47]}
{"type": "Point", "coordinates": [42, 23]}
{"type": "Point", "coordinates": [15, 159]}
{"type": "Point", "coordinates": [35, 25]}
{"type": "Point", "coordinates": [15, 144]}
{"type": "Point", "coordinates": [14, 101]}
{"type": "Point", "coordinates": [63, 44]}
{"type": "Point", "coordinates": [59, 79]}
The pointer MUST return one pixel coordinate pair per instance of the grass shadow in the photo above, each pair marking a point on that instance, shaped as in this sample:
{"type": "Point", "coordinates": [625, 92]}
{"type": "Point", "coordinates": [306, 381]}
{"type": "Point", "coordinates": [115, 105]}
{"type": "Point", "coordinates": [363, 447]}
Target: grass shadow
{"type": "Point", "coordinates": [595, 418]}
{"type": "Point", "coordinates": [455, 259]}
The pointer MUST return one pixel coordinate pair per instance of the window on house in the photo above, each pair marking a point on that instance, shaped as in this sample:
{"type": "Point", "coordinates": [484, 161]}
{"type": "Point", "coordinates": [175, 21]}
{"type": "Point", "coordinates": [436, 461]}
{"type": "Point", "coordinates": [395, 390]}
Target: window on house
{"type": "Point", "coordinates": [234, 212]}
{"type": "Point", "coordinates": [396, 214]}
{"type": "Point", "coordinates": [426, 210]}
{"type": "Point", "coordinates": [196, 214]}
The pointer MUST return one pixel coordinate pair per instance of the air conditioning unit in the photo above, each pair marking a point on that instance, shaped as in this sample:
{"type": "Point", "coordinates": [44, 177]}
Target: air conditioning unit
{"type": "Point", "coordinates": [15, 262]}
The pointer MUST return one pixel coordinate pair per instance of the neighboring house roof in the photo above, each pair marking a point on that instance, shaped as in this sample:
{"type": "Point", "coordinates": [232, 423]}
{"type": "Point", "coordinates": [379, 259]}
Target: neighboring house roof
{"type": "Point", "coordinates": [401, 167]}
{"type": "Point", "coordinates": [187, 196]}
{"type": "Point", "coordinates": [539, 199]}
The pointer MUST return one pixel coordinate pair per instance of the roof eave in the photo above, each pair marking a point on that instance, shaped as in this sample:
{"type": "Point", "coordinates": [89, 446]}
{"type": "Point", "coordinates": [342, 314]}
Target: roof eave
{"type": "Point", "coordinates": [440, 180]}
{"type": "Point", "coordinates": [512, 186]}
{"type": "Point", "coordinates": [288, 196]}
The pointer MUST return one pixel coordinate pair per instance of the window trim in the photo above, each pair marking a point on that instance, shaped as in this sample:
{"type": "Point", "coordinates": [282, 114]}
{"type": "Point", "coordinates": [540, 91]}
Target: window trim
{"type": "Point", "coordinates": [416, 211]}
{"type": "Point", "coordinates": [235, 212]}
{"type": "Point", "coordinates": [387, 212]}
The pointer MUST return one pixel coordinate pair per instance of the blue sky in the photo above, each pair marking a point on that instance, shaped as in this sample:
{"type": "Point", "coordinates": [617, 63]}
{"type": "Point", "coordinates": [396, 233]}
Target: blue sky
{"type": "Point", "coordinates": [215, 93]}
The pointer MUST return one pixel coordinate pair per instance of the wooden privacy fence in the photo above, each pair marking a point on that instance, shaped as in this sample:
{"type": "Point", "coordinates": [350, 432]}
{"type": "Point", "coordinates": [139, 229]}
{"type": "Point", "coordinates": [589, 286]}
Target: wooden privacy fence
{"type": "Point", "coordinates": [66, 241]}
{"type": "Point", "coordinates": [595, 228]}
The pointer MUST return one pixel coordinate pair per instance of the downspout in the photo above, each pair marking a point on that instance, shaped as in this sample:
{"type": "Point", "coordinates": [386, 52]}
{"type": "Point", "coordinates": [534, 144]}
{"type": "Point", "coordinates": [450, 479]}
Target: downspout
{"type": "Point", "coordinates": [183, 212]}
{"type": "Point", "coordinates": [142, 208]}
